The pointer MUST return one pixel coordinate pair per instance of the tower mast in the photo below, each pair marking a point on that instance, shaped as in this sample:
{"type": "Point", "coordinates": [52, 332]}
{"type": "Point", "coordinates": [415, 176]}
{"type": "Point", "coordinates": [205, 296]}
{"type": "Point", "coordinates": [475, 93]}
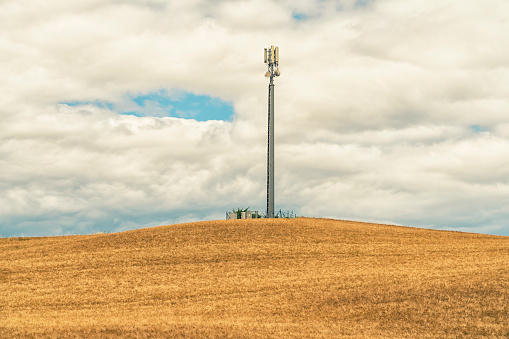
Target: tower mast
{"type": "Point", "coordinates": [271, 57]}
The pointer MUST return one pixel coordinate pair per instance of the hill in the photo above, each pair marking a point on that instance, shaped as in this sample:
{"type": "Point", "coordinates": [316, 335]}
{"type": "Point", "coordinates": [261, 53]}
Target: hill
{"type": "Point", "coordinates": [256, 279]}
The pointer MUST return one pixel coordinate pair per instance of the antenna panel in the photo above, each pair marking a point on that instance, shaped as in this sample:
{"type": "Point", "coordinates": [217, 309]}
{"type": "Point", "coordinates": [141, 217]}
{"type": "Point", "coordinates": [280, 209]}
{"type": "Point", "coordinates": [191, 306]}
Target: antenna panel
{"type": "Point", "coordinates": [276, 55]}
{"type": "Point", "coordinates": [265, 55]}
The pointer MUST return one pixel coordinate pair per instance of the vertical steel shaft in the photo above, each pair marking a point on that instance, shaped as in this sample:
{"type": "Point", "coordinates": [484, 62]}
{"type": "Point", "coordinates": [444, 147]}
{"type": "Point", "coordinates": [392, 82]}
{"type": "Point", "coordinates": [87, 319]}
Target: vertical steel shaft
{"type": "Point", "coordinates": [270, 153]}
{"type": "Point", "coordinates": [271, 58]}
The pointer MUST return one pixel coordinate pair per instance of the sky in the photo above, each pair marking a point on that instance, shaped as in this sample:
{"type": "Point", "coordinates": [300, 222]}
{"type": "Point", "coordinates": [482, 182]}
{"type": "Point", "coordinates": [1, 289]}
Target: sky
{"type": "Point", "coordinates": [124, 114]}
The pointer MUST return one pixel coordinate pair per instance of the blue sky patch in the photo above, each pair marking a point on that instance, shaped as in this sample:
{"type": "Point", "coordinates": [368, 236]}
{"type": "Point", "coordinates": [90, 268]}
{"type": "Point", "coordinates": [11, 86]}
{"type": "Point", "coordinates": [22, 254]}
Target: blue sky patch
{"type": "Point", "coordinates": [299, 16]}
{"type": "Point", "coordinates": [478, 128]}
{"type": "Point", "coordinates": [178, 104]}
{"type": "Point", "coordinates": [362, 3]}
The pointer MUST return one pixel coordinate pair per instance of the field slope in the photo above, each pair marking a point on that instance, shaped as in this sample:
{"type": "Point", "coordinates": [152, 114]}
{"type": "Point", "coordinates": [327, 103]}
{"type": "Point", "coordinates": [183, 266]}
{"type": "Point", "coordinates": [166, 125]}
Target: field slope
{"type": "Point", "coordinates": [256, 279]}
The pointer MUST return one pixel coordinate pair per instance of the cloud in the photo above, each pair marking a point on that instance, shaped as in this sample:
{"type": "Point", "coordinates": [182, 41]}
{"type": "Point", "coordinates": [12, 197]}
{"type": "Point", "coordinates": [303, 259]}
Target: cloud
{"type": "Point", "coordinates": [91, 161]}
{"type": "Point", "coordinates": [389, 111]}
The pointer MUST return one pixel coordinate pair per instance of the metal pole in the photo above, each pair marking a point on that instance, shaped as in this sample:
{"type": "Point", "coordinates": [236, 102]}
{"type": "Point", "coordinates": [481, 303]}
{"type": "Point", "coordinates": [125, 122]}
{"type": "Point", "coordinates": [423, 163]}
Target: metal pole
{"type": "Point", "coordinates": [270, 152]}
{"type": "Point", "coordinates": [271, 58]}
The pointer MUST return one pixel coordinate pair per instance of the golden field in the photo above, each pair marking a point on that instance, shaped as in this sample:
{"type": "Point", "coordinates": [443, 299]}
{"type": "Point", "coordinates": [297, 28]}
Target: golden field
{"type": "Point", "coordinates": [260, 278]}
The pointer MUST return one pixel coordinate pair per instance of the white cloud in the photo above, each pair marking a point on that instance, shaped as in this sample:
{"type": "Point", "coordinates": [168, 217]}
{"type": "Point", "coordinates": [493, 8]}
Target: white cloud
{"type": "Point", "coordinates": [376, 111]}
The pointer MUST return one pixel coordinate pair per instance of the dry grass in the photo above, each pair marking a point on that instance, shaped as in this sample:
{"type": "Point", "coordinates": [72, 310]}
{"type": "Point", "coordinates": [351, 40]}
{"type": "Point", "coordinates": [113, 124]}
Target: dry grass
{"type": "Point", "coordinates": [257, 279]}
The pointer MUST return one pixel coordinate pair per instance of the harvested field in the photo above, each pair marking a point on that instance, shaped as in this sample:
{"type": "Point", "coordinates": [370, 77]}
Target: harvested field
{"type": "Point", "coordinates": [307, 278]}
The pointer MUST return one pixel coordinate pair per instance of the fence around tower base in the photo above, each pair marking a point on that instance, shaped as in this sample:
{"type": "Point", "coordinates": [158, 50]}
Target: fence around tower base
{"type": "Point", "coordinates": [243, 215]}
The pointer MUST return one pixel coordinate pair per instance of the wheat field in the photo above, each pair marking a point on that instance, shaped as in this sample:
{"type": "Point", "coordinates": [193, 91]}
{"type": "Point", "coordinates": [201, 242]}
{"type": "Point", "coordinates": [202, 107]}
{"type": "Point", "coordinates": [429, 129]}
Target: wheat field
{"type": "Point", "coordinates": [259, 278]}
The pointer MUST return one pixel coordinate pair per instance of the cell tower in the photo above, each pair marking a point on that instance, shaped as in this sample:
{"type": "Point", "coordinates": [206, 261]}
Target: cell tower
{"type": "Point", "coordinates": [271, 57]}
